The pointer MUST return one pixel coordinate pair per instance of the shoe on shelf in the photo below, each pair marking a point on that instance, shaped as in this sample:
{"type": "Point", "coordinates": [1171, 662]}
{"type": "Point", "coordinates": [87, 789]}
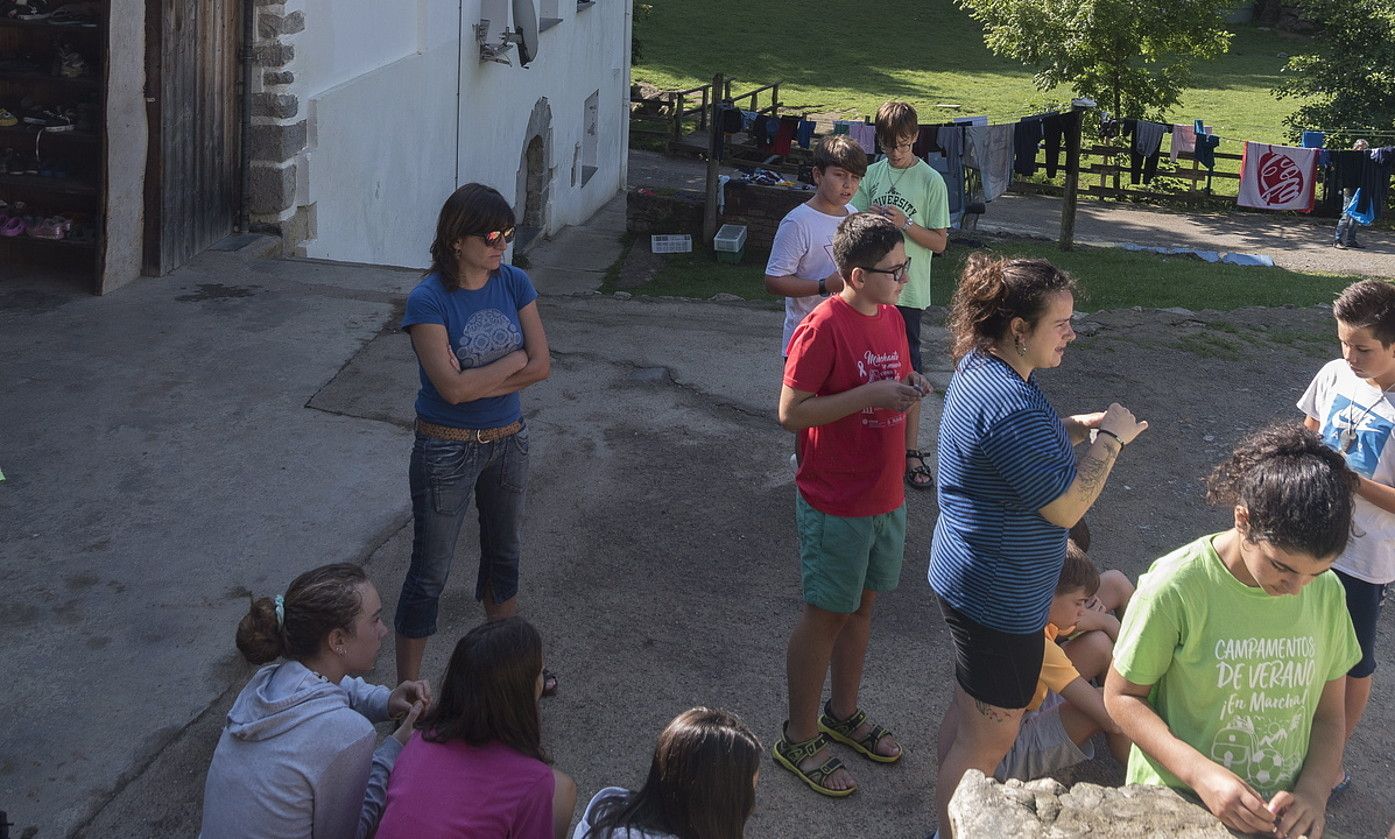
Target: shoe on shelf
{"type": "Point", "coordinates": [71, 64]}
{"type": "Point", "coordinates": [31, 10]}
{"type": "Point", "coordinates": [7, 119]}
{"type": "Point", "coordinates": [52, 228]}
{"type": "Point", "coordinates": [14, 227]}
{"type": "Point", "coordinates": [74, 14]}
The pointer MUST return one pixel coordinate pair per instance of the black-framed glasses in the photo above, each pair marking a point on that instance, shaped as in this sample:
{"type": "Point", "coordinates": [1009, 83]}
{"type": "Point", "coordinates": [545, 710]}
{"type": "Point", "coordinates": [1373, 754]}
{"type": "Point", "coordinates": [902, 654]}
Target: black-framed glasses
{"type": "Point", "coordinates": [897, 272]}
{"type": "Point", "coordinates": [495, 237]}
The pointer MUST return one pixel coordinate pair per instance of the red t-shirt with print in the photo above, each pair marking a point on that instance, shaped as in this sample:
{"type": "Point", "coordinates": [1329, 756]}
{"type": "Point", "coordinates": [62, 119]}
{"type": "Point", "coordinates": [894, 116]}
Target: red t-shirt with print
{"type": "Point", "coordinates": [852, 467]}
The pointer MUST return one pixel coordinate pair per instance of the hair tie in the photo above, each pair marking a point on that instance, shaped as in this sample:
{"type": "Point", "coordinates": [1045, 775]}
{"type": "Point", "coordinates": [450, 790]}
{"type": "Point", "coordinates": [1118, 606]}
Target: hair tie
{"type": "Point", "coordinates": [280, 612]}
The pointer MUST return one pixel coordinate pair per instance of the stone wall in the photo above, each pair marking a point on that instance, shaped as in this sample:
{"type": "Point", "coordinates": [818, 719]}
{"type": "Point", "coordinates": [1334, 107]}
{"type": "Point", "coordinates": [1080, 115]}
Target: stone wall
{"type": "Point", "coordinates": [982, 808]}
{"type": "Point", "coordinates": [760, 208]}
{"type": "Point", "coordinates": [650, 212]}
{"type": "Point", "coordinates": [278, 135]}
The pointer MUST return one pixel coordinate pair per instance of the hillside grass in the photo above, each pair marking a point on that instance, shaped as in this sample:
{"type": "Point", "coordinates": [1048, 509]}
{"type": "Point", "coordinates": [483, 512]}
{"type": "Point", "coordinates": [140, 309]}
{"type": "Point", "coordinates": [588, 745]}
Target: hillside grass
{"type": "Point", "coordinates": [847, 58]}
{"type": "Point", "coordinates": [1109, 278]}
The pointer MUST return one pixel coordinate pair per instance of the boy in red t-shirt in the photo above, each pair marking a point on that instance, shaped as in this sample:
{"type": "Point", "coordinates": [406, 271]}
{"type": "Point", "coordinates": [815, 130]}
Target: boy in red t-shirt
{"type": "Point", "coordinates": [848, 385]}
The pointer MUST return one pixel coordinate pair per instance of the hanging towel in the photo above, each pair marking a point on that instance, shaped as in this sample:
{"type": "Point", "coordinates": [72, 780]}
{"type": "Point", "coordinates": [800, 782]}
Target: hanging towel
{"type": "Point", "coordinates": [864, 135]}
{"type": "Point", "coordinates": [1277, 177]}
{"type": "Point", "coordinates": [924, 141]}
{"type": "Point", "coordinates": [991, 149]}
{"type": "Point", "coordinates": [1026, 137]}
{"type": "Point", "coordinates": [784, 135]}
{"type": "Point", "coordinates": [1206, 143]}
{"type": "Point", "coordinates": [1053, 129]}
{"type": "Point", "coordinates": [950, 139]}
{"type": "Point", "coordinates": [1313, 139]}
{"type": "Point", "coordinates": [748, 119]}
{"type": "Point", "coordinates": [978, 120]}
{"type": "Point", "coordinates": [1183, 140]}
{"type": "Point", "coordinates": [841, 126]}
{"type": "Point", "coordinates": [804, 134]}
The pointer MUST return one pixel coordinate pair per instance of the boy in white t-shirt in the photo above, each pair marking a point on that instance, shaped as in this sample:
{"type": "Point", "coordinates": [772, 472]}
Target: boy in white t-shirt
{"type": "Point", "coordinates": [801, 267]}
{"type": "Point", "coordinates": [1351, 404]}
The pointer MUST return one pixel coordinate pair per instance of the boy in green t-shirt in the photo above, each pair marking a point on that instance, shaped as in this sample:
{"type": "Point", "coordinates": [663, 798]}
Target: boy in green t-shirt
{"type": "Point", "coordinates": [905, 189]}
{"type": "Point", "coordinates": [1229, 672]}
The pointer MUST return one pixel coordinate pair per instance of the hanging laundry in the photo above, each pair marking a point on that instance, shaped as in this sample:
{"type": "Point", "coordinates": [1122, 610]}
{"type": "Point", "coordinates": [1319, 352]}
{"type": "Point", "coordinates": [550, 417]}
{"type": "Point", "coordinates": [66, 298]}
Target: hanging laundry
{"type": "Point", "coordinates": [864, 135]}
{"type": "Point", "coordinates": [1143, 154]}
{"type": "Point", "coordinates": [978, 120]}
{"type": "Point", "coordinates": [1183, 140]}
{"type": "Point", "coordinates": [1206, 143]}
{"type": "Point", "coordinates": [924, 141]}
{"type": "Point", "coordinates": [729, 119]}
{"type": "Point", "coordinates": [784, 135]}
{"type": "Point", "coordinates": [1109, 127]}
{"type": "Point", "coordinates": [804, 134]}
{"type": "Point", "coordinates": [763, 132]}
{"type": "Point", "coordinates": [841, 126]}
{"type": "Point", "coordinates": [950, 139]}
{"type": "Point", "coordinates": [1313, 140]}
{"type": "Point", "coordinates": [1277, 177]}
{"type": "Point", "coordinates": [1026, 137]}
{"type": "Point", "coordinates": [990, 146]}
{"type": "Point", "coordinates": [1053, 129]}
{"type": "Point", "coordinates": [748, 119]}
{"type": "Point", "coordinates": [1375, 178]}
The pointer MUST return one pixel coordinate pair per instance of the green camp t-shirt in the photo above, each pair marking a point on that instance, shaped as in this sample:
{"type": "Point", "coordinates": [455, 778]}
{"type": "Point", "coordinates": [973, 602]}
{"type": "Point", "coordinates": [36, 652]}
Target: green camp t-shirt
{"type": "Point", "coordinates": [1236, 673]}
{"type": "Point", "coordinates": [919, 192]}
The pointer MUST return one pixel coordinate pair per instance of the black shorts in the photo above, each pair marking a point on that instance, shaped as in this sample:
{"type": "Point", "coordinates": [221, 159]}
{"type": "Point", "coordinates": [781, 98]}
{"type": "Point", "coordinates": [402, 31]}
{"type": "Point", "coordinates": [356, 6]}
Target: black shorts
{"type": "Point", "coordinates": [1363, 602]}
{"type": "Point", "coordinates": [912, 318]}
{"type": "Point", "coordinates": [994, 667]}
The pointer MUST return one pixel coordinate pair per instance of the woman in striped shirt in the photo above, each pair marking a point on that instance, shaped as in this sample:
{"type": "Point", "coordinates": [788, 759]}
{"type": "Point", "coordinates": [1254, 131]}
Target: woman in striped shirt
{"type": "Point", "coordinates": [1009, 488]}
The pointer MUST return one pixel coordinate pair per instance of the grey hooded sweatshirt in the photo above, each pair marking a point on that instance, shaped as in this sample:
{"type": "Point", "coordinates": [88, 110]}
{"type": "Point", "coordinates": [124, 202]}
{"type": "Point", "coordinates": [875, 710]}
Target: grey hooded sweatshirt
{"type": "Point", "coordinates": [296, 759]}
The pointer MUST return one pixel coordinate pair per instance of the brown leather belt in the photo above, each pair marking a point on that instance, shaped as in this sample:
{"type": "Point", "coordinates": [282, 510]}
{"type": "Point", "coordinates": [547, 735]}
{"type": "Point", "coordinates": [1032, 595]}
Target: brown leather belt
{"type": "Point", "coordinates": [467, 435]}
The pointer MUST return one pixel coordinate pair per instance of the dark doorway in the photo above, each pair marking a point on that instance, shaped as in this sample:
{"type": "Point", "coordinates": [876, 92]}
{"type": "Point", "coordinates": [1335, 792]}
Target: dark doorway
{"type": "Point", "coordinates": [534, 193]}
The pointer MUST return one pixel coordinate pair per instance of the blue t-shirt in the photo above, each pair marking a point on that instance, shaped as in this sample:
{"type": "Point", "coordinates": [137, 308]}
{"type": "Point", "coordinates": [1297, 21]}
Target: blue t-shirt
{"type": "Point", "coordinates": [483, 327]}
{"type": "Point", "coordinates": [1004, 454]}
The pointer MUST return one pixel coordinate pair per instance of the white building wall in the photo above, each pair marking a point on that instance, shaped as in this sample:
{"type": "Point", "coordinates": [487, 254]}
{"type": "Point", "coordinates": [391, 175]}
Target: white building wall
{"type": "Point", "coordinates": [401, 111]}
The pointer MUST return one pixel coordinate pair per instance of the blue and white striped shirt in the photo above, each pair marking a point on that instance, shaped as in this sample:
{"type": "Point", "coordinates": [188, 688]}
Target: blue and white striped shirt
{"type": "Point", "coordinates": [1004, 454]}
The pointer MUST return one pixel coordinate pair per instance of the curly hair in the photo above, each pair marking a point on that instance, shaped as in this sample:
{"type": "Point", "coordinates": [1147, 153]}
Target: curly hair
{"type": "Point", "coordinates": [1297, 490]}
{"type": "Point", "coordinates": [993, 291]}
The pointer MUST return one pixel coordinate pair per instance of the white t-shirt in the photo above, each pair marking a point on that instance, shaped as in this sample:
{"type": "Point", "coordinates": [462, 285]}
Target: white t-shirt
{"type": "Point", "coordinates": [803, 248]}
{"type": "Point", "coordinates": [1356, 419]}
{"type": "Point", "coordinates": [623, 833]}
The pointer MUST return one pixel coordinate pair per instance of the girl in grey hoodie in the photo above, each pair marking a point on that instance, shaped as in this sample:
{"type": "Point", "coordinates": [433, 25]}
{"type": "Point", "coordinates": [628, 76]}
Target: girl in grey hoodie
{"type": "Point", "coordinates": [296, 758]}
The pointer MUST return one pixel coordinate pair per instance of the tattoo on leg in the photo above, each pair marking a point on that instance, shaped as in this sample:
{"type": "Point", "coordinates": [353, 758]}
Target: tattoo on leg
{"type": "Point", "coordinates": [992, 712]}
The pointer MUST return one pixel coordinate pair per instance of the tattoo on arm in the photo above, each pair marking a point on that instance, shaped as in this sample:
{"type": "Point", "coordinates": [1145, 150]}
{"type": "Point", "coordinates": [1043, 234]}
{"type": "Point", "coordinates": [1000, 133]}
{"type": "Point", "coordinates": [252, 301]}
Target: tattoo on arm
{"type": "Point", "coordinates": [992, 712]}
{"type": "Point", "coordinates": [1092, 472]}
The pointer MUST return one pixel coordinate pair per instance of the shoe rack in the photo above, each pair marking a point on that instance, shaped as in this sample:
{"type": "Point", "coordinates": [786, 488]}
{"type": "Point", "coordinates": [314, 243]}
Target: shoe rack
{"type": "Point", "coordinates": [53, 64]}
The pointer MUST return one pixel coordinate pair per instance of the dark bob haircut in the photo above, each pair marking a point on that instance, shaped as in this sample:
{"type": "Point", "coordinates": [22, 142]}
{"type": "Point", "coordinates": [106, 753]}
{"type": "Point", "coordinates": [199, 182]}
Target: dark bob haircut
{"type": "Point", "coordinates": [472, 210]}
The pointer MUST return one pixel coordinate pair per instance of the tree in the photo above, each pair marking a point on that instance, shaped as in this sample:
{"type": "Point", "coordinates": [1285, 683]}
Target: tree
{"type": "Point", "coordinates": [1348, 74]}
{"type": "Point", "coordinates": [1133, 57]}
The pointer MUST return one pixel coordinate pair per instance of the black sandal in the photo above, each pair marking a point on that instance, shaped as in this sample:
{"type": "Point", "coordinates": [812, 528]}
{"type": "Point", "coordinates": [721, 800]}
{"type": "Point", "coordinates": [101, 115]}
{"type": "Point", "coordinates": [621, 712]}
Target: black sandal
{"type": "Point", "coordinates": [915, 472]}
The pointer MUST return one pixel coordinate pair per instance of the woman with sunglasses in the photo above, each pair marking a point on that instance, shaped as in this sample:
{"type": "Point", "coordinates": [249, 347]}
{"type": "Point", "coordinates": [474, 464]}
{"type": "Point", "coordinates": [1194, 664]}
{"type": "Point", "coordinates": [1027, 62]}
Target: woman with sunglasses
{"type": "Point", "coordinates": [479, 340]}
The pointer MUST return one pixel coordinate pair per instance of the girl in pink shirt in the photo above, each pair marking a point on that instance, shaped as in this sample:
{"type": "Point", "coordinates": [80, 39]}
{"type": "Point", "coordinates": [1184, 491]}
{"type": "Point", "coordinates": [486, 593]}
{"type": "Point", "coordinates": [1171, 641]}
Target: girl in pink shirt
{"type": "Point", "coordinates": [476, 768]}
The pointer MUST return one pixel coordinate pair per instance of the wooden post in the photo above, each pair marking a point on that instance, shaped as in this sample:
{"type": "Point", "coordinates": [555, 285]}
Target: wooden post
{"type": "Point", "coordinates": [1072, 180]}
{"type": "Point", "coordinates": [709, 204]}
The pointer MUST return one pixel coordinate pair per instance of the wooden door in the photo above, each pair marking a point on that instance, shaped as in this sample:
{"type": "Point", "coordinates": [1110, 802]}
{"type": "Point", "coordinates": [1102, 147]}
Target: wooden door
{"type": "Point", "coordinates": [192, 186]}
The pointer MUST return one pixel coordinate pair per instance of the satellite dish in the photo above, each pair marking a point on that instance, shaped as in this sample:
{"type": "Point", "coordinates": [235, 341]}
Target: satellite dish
{"type": "Point", "coordinates": [525, 20]}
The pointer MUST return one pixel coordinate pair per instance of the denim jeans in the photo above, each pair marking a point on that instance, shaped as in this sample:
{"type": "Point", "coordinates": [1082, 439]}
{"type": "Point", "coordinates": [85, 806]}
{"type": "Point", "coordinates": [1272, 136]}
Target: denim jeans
{"type": "Point", "coordinates": [444, 474]}
{"type": "Point", "coordinates": [1346, 225]}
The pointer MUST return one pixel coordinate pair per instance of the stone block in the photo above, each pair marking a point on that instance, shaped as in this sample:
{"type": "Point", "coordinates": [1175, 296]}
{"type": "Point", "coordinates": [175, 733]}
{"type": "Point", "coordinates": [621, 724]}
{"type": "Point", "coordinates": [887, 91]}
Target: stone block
{"type": "Point", "coordinates": [293, 23]}
{"type": "Point", "coordinates": [982, 808]}
{"type": "Point", "coordinates": [276, 143]}
{"type": "Point", "coordinates": [270, 26]}
{"type": "Point", "coordinates": [272, 78]}
{"type": "Point", "coordinates": [273, 55]}
{"type": "Point", "coordinates": [648, 211]}
{"type": "Point", "coordinates": [272, 188]}
{"type": "Point", "coordinates": [277, 105]}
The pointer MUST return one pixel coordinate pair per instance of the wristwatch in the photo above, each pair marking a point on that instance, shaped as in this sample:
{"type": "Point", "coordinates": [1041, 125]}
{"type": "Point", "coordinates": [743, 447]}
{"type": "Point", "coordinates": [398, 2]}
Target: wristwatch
{"type": "Point", "coordinates": [907, 225]}
{"type": "Point", "coordinates": [823, 287]}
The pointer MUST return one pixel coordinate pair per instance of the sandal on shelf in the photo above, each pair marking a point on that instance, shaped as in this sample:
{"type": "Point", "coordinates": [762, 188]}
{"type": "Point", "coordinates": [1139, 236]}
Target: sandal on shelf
{"type": "Point", "coordinates": [915, 474]}
{"type": "Point", "coordinates": [842, 732]}
{"type": "Point", "coordinates": [14, 227]}
{"type": "Point", "coordinates": [549, 683]}
{"type": "Point", "coordinates": [789, 755]}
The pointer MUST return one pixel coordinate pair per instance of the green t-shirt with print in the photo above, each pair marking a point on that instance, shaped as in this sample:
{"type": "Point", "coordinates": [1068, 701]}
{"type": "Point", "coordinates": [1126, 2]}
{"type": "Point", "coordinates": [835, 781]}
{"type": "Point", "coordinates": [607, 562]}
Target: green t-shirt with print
{"type": "Point", "coordinates": [1236, 673]}
{"type": "Point", "coordinates": [919, 192]}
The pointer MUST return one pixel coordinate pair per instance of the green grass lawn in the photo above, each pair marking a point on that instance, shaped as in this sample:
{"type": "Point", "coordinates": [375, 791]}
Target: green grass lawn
{"type": "Point", "coordinates": [1109, 278]}
{"type": "Point", "coordinates": [845, 57]}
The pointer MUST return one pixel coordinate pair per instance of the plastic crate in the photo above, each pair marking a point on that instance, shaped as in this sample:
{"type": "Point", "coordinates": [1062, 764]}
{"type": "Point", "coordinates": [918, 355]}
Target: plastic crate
{"type": "Point", "coordinates": [731, 238]}
{"type": "Point", "coordinates": [671, 243]}
{"type": "Point", "coordinates": [732, 257]}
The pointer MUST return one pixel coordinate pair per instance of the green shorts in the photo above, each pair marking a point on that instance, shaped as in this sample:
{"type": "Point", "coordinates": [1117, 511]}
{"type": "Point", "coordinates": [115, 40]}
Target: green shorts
{"type": "Point", "coordinates": [840, 557]}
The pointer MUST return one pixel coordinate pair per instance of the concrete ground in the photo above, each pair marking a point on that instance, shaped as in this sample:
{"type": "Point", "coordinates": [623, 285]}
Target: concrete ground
{"type": "Point", "coordinates": [191, 440]}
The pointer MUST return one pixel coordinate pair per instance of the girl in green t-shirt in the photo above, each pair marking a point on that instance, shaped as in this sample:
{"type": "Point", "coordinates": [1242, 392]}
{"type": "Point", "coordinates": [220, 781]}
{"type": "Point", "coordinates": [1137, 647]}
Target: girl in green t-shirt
{"type": "Point", "coordinates": [1229, 671]}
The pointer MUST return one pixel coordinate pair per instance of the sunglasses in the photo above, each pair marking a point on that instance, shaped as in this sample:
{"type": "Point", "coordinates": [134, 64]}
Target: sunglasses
{"type": "Point", "coordinates": [496, 237]}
